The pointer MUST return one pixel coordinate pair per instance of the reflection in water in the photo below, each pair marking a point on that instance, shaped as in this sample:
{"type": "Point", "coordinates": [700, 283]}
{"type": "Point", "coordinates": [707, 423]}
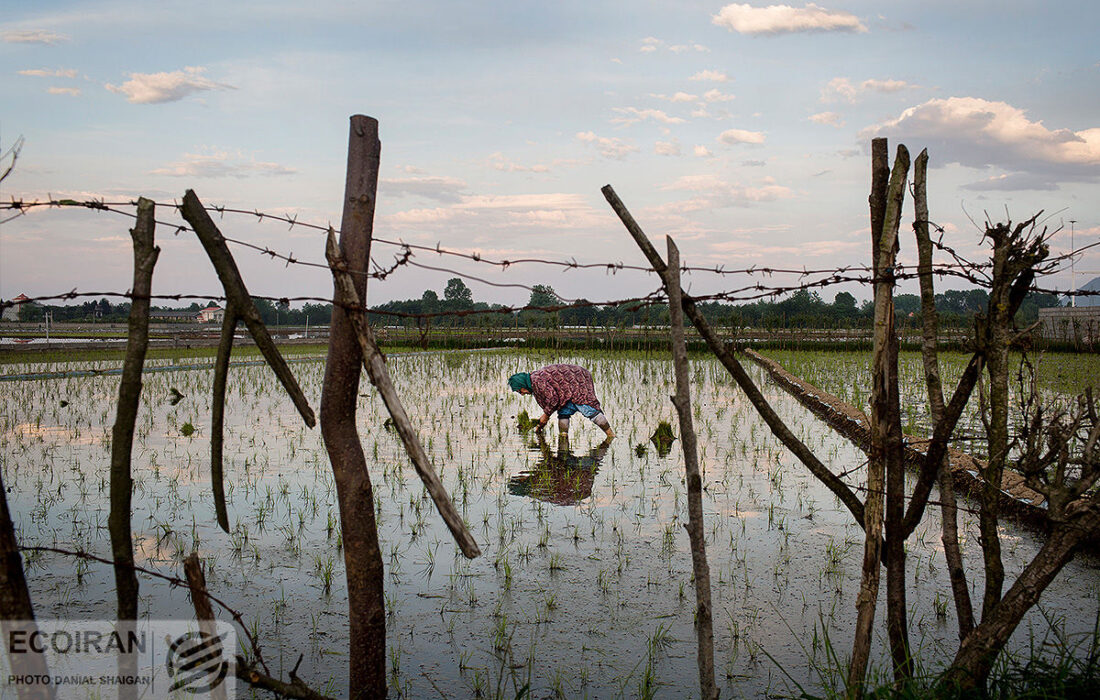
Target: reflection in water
{"type": "Point", "coordinates": [564, 478]}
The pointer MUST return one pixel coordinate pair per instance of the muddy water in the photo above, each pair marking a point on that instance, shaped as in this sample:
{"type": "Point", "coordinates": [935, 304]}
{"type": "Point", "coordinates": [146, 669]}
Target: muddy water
{"type": "Point", "coordinates": [584, 586]}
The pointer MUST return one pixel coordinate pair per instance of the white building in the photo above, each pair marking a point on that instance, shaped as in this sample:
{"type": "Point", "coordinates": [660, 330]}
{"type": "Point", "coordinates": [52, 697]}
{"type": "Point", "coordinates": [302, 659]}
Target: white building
{"type": "Point", "coordinates": [212, 314]}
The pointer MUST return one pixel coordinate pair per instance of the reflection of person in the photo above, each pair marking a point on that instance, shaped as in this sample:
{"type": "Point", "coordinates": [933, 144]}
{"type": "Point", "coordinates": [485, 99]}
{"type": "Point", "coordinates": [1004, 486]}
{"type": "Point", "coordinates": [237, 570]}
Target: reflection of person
{"type": "Point", "coordinates": [563, 478]}
{"type": "Point", "coordinates": [567, 389]}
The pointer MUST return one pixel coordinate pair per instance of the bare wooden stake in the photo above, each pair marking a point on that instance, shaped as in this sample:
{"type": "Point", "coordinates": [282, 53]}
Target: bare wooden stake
{"type": "Point", "coordinates": [375, 364]}
{"type": "Point", "coordinates": [704, 626]}
{"type": "Point", "coordinates": [122, 434]}
{"type": "Point", "coordinates": [16, 611]}
{"type": "Point", "coordinates": [737, 371]}
{"type": "Point", "coordinates": [354, 493]}
{"type": "Point", "coordinates": [239, 300]}
{"type": "Point", "coordinates": [217, 417]}
{"type": "Point", "coordinates": [964, 610]}
{"type": "Point", "coordinates": [204, 612]}
{"type": "Point", "coordinates": [239, 307]}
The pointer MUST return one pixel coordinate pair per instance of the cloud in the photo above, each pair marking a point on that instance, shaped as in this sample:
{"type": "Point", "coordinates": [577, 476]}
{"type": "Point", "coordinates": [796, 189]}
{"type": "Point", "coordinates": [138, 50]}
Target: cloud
{"type": "Point", "coordinates": [702, 152]}
{"type": "Point", "coordinates": [651, 44]}
{"type": "Point", "coordinates": [443, 189]}
{"type": "Point", "coordinates": [754, 163]}
{"type": "Point", "coordinates": [508, 212]}
{"type": "Point", "coordinates": [667, 148]}
{"type": "Point", "coordinates": [1013, 182]}
{"type": "Point", "coordinates": [155, 88]}
{"type": "Point", "coordinates": [712, 192]}
{"type": "Point", "coordinates": [842, 88]}
{"type": "Point", "coordinates": [980, 133]}
{"type": "Point", "coordinates": [497, 161]}
{"type": "Point", "coordinates": [784, 19]}
{"type": "Point", "coordinates": [220, 164]}
{"type": "Point", "coordinates": [46, 73]}
{"type": "Point", "coordinates": [678, 97]}
{"type": "Point", "coordinates": [830, 118]}
{"type": "Point", "coordinates": [34, 36]}
{"type": "Point", "coordinates": [734, 136]}
{"type": "Point", "coordinates": [714, 76]}
{"type": "Point", "coordinates": [716, 95]}
{"type": "Point", "coordinates": [613, 148]}
{"type": "Point", "coordinates": [71, 91]}
{"type": "Point", "coordinates": [633, 115]}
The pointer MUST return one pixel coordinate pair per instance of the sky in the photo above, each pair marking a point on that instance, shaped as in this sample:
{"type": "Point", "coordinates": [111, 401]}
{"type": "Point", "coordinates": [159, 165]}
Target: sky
{"type": "Point", "coordinates": [741, 130]}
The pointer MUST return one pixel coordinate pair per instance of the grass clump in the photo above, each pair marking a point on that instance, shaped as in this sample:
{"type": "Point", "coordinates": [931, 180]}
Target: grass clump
{"type": "Point", "coordinates": [662, 438]}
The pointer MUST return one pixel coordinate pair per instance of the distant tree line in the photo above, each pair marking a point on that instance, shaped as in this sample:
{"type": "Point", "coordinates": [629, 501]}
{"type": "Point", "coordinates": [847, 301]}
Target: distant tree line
{"type": "Point", "coordinates": [803, 309]}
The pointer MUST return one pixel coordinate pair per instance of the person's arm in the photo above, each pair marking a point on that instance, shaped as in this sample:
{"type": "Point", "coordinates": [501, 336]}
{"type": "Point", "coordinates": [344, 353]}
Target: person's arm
{"type": "Point", "coordinates": [544, 419]}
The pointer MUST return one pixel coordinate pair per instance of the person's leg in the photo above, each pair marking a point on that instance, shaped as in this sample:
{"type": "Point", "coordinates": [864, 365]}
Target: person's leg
{"type": "Point", "coordinates": [597, 417]}
{"type": "Point", "coordinates": [563, 416]}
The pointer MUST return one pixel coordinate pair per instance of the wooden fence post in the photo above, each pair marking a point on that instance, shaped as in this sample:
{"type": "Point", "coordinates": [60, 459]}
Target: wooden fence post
{"type": "Point", "coordinates": [122, 433]}
{"type": "Point", "coordinates": [704, 625]}
{"type": "Point", "coordinates": [355, 495]}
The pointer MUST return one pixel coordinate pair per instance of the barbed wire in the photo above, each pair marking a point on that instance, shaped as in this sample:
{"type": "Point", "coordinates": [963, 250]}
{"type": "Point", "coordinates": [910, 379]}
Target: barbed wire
{"type": "Point", "coordinates": [571, 264]}
{"type": "Point", "coordinates": [963, 269]}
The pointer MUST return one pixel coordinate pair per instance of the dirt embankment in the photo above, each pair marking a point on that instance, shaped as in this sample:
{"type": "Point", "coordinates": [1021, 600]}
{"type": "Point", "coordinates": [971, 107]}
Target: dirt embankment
{"type": "Point", "coordinates": [1016, 497]}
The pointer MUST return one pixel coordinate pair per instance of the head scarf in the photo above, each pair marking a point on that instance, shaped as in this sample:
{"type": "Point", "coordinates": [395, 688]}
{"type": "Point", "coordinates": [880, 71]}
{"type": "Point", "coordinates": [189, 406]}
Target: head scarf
{"type": "Point", "coordinates": [521, 380]}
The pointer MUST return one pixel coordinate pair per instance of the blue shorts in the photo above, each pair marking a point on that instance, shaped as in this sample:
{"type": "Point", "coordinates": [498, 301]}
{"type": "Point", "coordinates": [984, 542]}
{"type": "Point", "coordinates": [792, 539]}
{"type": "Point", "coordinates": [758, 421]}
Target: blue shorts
{"type": "Point", "coordinates": [570, 408]}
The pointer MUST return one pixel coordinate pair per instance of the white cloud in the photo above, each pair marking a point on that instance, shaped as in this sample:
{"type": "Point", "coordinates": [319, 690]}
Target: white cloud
{"type": "Point", "coordinates": [221, 164]}
{"type": "Point", "coordinates": [63, 91]}
{"type": "Point", "coordinates": [652, 43]}
{"type": "Point", "coordinates": [667, 148]}
{"type": "Point", "coordinates": [1013, 182]}
{"type": "Point", "coordinates": [678, 97]}
{"type": "Point", "coordinates": [498, 161]}
{"type": "Point", "coordinates": [714, 192]}
{"type": "Point", "coordinates": [155, 88]}
{"type": "Point", "coordinates": [784, 19]}
{"type": "Point", "coordinates": [443, 189]}
{"type": "Point", "coordinates": [714, 76]}
{"type": "Point", "coordinates": [980, 133]}
{"type": "Point", "coordinates": [843, 88]}
{"type": "Point", "coordinates": [681, 48]}
{"type": "Point", "coordinates": [633, 115]}
{"type": "Point", "coordinates": [716, 95]}
{"type": "Point", "coordinates": [46, 73]}
{"type": "Point", "coordinates": [734, 136]}
{"type": "Point", "coordinates": [830, 118]}
{"type": "Point", "coordinates": [507, 212]}
{"type": "Point", "coordinates": [34, 36]}
{"type": "Point", "coordinates": [702, 151]}
{"type": "Point", "coordinates": [616, 149]}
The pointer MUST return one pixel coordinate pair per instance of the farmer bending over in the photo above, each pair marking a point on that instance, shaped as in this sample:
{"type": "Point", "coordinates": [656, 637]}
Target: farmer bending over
{"type": "Point", "coordinates": [566, 389]}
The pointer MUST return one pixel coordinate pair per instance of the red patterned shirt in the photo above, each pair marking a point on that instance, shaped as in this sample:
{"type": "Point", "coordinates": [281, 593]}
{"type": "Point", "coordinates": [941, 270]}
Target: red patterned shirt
{"type": "Point", "coordinates": [555, 385]}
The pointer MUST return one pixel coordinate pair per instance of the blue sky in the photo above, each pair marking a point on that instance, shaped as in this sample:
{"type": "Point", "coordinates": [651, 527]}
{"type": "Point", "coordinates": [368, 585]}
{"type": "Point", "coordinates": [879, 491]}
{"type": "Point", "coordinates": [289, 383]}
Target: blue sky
{"type": "Point", "coordinates": [740, 129]}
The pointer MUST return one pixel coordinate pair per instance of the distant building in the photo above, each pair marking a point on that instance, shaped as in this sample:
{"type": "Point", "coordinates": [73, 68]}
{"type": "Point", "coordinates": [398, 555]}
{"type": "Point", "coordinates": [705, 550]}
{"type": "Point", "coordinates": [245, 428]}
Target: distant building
{"type": "Point", "coordinates": [212, 314]}
{"type": "Point", "coordinates": [11, 313]}
{"type": "Point", "coordinates": [178, 315]}
{"type": "Point", "coordinates": [1079, 324]}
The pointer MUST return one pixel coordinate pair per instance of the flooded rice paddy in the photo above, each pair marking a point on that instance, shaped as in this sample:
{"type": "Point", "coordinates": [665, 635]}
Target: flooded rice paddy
{"type": "Point", "coordinates": [584, 586]}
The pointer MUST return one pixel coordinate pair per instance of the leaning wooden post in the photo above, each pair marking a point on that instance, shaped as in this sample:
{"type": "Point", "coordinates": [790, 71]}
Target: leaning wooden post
{"type": "Point", "coordinates": [122, 434]}
{"type": "Point", "coordinates": [780, 429]}
{"type": "Point", "coordinates": [375, 363]}
{"type": "Point", "coordinates": [362, 556]}
{"type": "Point", "coordinates": [239, 306]}
{"type": "Point", "coordinates": [704, 626]}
